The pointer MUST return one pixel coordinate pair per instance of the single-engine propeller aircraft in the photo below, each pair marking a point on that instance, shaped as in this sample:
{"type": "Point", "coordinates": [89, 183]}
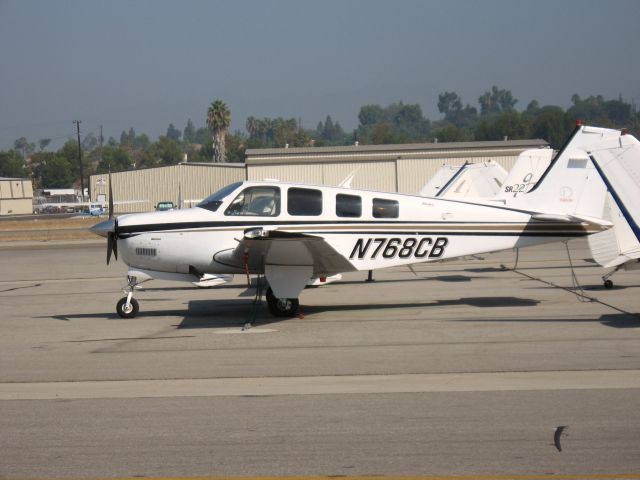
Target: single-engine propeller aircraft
{"type": "Point", "coordinates": [292, 233]}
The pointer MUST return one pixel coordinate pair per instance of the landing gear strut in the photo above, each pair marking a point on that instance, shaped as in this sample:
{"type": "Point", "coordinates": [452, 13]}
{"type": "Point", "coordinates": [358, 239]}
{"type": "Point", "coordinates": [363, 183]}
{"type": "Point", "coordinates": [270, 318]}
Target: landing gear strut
{"type": "Point", "coordinates": [281, 307]}
{"type": "Point", "coordinates": [127, 307]}
{"type": "Point", "coordinates": [606, 278]}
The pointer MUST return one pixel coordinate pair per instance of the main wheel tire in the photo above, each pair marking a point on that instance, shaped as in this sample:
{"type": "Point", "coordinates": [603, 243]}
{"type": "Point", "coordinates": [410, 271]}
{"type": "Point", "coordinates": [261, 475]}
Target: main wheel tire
{"type": "Point", "coordinates": [281, 307]}
{"type": "Point", "coordinates": [608, 284]}
{"type": "Point", "coordinates": [129, 311]}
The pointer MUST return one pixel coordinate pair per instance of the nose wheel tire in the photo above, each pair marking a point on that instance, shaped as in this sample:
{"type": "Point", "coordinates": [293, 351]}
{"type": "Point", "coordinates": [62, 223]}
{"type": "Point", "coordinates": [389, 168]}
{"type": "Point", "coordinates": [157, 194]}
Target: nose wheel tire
{"type": "Point", "coordinates": [281, 307]}
{"type": "Point", "coordinates": [608, 284]}
{"type": "Point", "coordinates": [127, 311]}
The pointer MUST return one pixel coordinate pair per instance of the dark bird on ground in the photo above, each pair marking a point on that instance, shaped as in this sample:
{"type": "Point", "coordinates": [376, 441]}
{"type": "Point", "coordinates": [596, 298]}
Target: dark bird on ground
{"type": "Point", "coordinates": [557, 435]}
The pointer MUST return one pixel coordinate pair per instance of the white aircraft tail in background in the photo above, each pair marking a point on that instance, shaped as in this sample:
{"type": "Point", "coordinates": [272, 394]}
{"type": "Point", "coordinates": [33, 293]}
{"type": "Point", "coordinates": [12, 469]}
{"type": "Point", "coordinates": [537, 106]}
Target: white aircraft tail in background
{"type": "Point", "coordinates": [529, 167]}
{"type": "Point", "coordinates": [477, 180]}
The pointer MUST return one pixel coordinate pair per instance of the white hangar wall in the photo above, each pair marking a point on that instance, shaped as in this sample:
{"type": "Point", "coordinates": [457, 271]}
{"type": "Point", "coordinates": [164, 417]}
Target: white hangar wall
{"type": "Point", "coordinates": [141, 190]}
{"type": "Point", "coordinates": [16, 196]}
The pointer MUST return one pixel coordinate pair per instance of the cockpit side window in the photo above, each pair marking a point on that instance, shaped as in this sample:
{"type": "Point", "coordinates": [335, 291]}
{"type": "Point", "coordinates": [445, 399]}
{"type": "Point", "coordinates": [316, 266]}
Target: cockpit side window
{"type": "Point", "coordinates": [212, 202]}
{"type": "Point", "coordinates": [256, 201]}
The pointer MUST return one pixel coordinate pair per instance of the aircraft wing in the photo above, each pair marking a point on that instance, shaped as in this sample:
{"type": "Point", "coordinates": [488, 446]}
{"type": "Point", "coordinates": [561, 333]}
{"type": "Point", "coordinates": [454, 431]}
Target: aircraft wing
{"type": "Point", "coordinates": [260, 247]}
{"type": "Point", "coordinates": [288, 259]}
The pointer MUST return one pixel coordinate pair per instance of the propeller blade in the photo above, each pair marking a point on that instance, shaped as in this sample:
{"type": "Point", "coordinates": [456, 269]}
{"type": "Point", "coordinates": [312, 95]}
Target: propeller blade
{"type": "Point", "coordinates": [115, 239]}
{"type": "Point", "coordinates": [110, 197]}
{"type": "Point", "coordinates": [110, 242]}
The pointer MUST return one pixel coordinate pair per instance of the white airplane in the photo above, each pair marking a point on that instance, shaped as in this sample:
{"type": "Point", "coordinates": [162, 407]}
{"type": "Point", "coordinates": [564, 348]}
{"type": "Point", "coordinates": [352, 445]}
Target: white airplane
{"type": "Point", "coordinates": [615, 248]}
{"type": "Point", "coordinates": [477, 180]}
{"type": "Point", "coordinates": [292, 233]}
{"type": "Point", "coordinates": [529, 167]}
{"type": "Point", "coordinates": [489, 180]}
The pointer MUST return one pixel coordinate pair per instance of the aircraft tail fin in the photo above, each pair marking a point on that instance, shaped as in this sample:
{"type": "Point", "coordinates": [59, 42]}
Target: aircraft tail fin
{"type": "Point", "coordinates": [572, 184]}
{"type": "Point", "coordinates": [619, 168]}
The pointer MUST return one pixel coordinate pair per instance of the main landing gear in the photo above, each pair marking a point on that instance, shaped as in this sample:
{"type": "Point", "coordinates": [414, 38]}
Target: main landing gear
{"type": "Point", "coordinates": [127, 307]}
{"type": "Point", "coordinates": [281, 307]}
{"type": "Point", "coordinates": [607, 282]}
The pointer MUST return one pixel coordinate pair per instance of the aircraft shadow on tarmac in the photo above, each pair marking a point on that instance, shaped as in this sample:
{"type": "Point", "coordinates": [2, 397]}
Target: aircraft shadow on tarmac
{"type": "Point", "coordinates": [620, 320]}
{"type": "Point", "coordinates": [418, 278]}
{"type": "Point", "coordinates": [217, 314]}
{"type": "Point", "coordinates": [233, 313]}
{"type": "Point", "coordinates": [614, 320]}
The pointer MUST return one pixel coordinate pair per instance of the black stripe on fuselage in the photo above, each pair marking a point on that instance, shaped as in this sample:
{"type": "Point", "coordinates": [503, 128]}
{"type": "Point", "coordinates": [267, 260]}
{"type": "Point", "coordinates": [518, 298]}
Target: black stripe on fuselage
{"type": "Point", "coordinates": [531, 229]}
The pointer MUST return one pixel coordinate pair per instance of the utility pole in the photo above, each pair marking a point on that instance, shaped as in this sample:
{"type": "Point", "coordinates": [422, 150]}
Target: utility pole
{"type": "Point", "coordinates": [77, 122]}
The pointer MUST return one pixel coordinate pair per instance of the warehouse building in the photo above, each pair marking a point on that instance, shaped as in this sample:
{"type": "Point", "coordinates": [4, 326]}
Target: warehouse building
{"type": "Point", "coordinates": [401, 168]}
{"type": "Point", "coordinates": [183, 184]}
{"type": "Point", "coordinates": [16, 196]}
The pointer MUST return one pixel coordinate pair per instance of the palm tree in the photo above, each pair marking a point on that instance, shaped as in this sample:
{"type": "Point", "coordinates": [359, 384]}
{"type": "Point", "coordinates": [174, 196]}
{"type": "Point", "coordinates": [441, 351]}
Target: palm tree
{"type": "Point", "coordinates": [252, 126]}
{"type": "Point", "coordinates": [218, 121]}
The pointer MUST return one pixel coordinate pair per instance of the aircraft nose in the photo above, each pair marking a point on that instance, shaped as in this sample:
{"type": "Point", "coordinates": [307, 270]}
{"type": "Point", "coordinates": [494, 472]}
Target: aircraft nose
{"type": "Point", "coordinates": [104, 228]}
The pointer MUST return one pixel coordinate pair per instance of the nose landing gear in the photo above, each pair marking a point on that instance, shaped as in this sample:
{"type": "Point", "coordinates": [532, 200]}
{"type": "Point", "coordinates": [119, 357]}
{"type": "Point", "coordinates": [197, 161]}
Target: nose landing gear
{"type": "Point", "coordinates": [127, 307]}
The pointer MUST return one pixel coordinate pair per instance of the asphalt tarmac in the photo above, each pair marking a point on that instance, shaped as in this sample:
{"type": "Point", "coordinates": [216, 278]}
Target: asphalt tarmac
{"type": "Point", "coordinates": [458, 368]}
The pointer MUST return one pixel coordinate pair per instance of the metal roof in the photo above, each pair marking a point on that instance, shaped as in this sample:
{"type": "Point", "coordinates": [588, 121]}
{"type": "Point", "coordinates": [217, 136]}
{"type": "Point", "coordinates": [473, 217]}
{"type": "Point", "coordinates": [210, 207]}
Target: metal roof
{"type": "Point", "coordinates": [212, 164]}
{"type": "Point", "coordinates": [404, 147]}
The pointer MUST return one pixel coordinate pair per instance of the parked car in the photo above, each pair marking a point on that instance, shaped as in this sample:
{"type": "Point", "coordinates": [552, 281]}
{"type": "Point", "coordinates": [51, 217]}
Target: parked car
{"type": "Point", "coordinates": [165, 206]}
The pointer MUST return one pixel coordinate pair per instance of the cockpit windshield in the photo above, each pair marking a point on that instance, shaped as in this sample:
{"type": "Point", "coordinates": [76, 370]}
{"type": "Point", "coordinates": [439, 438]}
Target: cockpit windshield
{"type": "Point", "coordinates": [212, 202]}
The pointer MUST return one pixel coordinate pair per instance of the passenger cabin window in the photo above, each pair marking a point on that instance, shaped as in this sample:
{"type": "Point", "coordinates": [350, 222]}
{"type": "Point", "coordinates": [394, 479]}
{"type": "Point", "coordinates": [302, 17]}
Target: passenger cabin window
{"type": "Point", "coordinates": [304, 201]}
{"type": "Point", "coordinates": [256, 201]}
{"type": "Point", "coordinates": [348, 205]}
{"type": "Point", "coordinates": [385, 208]}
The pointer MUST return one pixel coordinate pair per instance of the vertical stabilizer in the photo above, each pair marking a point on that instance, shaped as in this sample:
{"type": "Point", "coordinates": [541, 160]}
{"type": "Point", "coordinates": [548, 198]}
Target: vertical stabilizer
{"type": "Point", "coordinates": [572, 185]}
{"type": "Point", "coordinates": [619, 167]}
{"type": "Point", "coordinates": [526, 172]}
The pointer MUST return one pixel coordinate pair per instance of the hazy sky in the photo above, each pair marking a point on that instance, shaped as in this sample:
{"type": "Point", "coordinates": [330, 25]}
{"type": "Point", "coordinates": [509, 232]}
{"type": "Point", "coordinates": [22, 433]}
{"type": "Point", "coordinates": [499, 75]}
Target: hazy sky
{"type": "Point", "coordinates": [144, 64]}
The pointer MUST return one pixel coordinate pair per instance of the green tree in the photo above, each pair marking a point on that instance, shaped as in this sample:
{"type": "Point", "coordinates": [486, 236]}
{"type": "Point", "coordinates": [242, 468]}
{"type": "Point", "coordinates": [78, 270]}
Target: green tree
{"type": "Point", "coordinates": [202, 136]}
{"type": "Point", "coordinates": [252, 126]}
{"type": "Point", "coordinates": [450, 104]}
{"type": "Point", "coordinates": [218, 121]}
{"type": "Point", "coordinates": [450, 133]}
{"type": "Point", "coordinates": [11, 164]}
{"type": "Point", "coordinates": [370, 115]}
{"type": "Point", "coordinates": [141, 142]}
{"type": "Point", "coordinates": [552, 124]}
{"type": "Point", "coordinates": [36, 166]}
{"type": "Point", "coordinates": [396, 123]}
{"type": "Point", "coordinates": [511, 124]}
{"type": "Point", "coordinates": [58, 173]}
{"type": "Point", "coordinates": [69, 151]}
{"type": "Point", "coordinates": [597, 110]}
{"type": "Point", "coordinates": [236, 146]}
{"type": "Point", "coordinates": [189, 133]}
{"type": "Point", "coordinates": [173, 133]}
{"type": "Point", "coordinates": [496, 101]}
{"type": "Point", "coordinates": [43, 143]}
{"type": "Point", "coordinates": [24, 147]}
{"type": "Point", "coordinates": [114, 159]}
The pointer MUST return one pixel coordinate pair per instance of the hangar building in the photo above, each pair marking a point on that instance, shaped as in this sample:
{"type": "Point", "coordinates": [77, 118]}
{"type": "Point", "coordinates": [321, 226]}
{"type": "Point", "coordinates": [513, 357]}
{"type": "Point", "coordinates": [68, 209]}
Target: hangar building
{"type": "Point", "coordinates": [185, 184]}
{"type": "Point", "coordinates": [395, 168]}
{"type": "Point", "coordinates": [16, 196]}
